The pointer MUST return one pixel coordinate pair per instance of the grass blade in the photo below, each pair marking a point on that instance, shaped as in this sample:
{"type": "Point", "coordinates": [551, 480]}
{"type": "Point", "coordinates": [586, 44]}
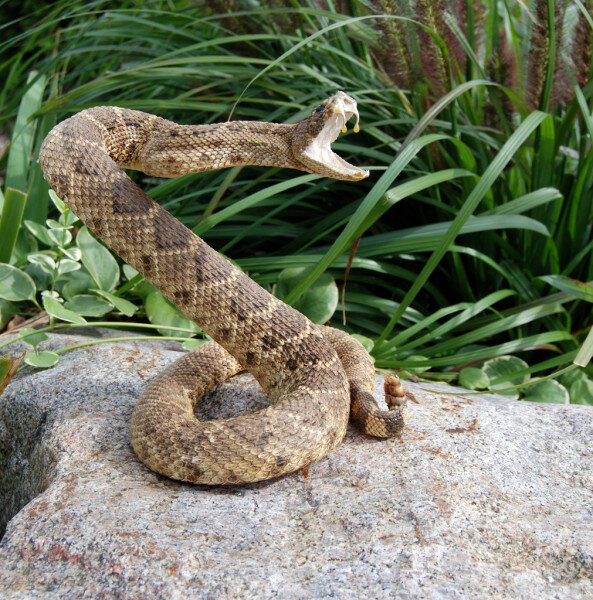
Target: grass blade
{"type": "Point", "coordinates": [470, 205]}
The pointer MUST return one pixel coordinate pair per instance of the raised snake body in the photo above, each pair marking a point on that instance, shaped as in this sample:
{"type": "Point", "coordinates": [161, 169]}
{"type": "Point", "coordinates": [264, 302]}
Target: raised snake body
{"type": "Point", "coordinates": [313, 375]}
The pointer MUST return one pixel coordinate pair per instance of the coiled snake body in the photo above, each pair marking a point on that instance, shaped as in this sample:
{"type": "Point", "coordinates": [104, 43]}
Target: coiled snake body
{"type": "Point", "coordinates": [313, 375]}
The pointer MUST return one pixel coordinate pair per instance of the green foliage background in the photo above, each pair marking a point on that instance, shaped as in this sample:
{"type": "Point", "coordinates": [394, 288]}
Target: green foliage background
{"type": "Point", "coordinates": [461, 247]}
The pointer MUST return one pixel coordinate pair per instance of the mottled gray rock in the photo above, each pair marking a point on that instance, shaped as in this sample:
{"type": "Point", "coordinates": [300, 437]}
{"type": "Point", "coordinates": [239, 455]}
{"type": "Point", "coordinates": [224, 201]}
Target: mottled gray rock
{"type": "Point", "coordinates": [481, 498]}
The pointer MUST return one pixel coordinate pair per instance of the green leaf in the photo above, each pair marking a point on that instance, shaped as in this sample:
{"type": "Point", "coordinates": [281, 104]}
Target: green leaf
{"type": "Point", "coordinates": [88, 306]}
{"type": "Point", "coordinates": [567, 379]}
{"type": "Point", "coordinates": [72, 253]}
{"type": "Point", "coordinates": [40, 232]}
{"type": "Point", "coordinates": [586, 351]}
{"type": "Point", "coordinates": [43, 360]}
{"type": "Point", "coordinates": [68, 219]}
{"type": "Point", "coordinates": [53, 224]}
{"type": "Point", "coordinates": [124, 306]}
{"type": "Point", "coordinates": [500, 372]}
{"type": "Point", "coordinates": [136, 284]}
{"type": "Point", "coordinates": [319, 302]}
{"type": "Point", "coordinates": [57, 310]}
{"type": "Point", "coordinates": [161, 312]}
{"type": "Point", "coordinates": [193, 343]}
{"type": "Point", "coordinates": [98, 261]}
{"type": "Point", "coordinates": [580, 289]}
{"type": "Point", "coordinates": [60, 237]}
{"type": "Point", "coordinates": [15, 284]}
{"type": "Point", "coordinates": [13, 209]}
{"type": "Point", "coordinates": [581, 391]}
{"type": "Point", "coordinates": [41, 276]}
{"type": "Point", "coordinates": [68, 266]}
{"type": "Point", "coordinates": [77, 282]}
{"type": "Point", "coordinates": [46, 262]}
{"type": "Point", "coordinates": [7, 310]}
{"type": "Point", "coordinates": [59, 203]}
{"type": "Point", "coordinates": [473, 378]}
{"type": "Point", "coordinates": [33, 337]}
{"type": "Point", "coordinates": [547, 391]}
{"type": "Point", "coordinates": [23, 136]}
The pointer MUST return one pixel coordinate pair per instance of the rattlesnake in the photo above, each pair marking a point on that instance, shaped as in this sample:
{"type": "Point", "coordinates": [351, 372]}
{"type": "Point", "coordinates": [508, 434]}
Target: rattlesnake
{"type": "Point", "coordinates": [313, 375]}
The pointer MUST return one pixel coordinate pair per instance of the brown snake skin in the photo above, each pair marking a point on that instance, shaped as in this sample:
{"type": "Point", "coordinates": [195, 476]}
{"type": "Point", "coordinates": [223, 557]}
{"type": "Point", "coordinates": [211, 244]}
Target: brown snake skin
{"type": "Point", "coordinates": [315, 376]}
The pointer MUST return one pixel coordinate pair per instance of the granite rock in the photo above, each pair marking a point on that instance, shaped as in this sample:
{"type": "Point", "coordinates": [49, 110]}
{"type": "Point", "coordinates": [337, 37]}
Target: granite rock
{"type": "Point", "coordinates": [481, 497]}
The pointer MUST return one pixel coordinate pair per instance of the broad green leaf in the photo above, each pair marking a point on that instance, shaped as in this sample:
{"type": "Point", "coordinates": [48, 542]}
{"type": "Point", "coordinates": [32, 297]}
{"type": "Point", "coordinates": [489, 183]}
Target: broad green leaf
{"type": "Point", "coordinates": [500, 371]}
{"type": "Point", "coordinates": [547, 391]}
{"type": "Point", "coordinates": [40, 232]}
{"type": "Point", "coordinates": [33, 337]}
{"type": "Point", "coordinates": [57, 310]}
{"type": "Point", "coordinates": [67, 266]}
{"type": "Point", "coordinates": [76, 282]}
{"type": "Point", "coordinates": [41, 276]}
{"type": "Point", "coordinates": [44, 261]}
{"type": "Point", "coordinates": [7, 310]}
{"type": "Point", "coordinates": [43, 360]}
{"type": "Point", "coordinates": [161, 312]}
{"type": "Point", "coordinates": [73, 253]}
{"type": "Point", "coordinates": [193, 343]}
{"type": "Point", "coordinates": [319, 302]}
{"type": "Point", "coordinates": [58, 203]}
{"type": "Point", "coordinates": [88, 306]}
{"type": "Point", "coordinates": [60, 237]}
{"type": "Point", "coordinates": [473, 378]}
{"type": "Point", "coordinates": [15, 284]}
{"type": "Point", "coordinates": [567, 379]}
{"type": "Point", "coordinates": [68, 219]}
{"type": "Point", "coordinates": [98, 261]}
{"type": "Point", "coordinates": [124, 306]}
{"type": "Point", "coordinates": [581, 391]}
{"type": "Point", "coordinates": [53, 224]}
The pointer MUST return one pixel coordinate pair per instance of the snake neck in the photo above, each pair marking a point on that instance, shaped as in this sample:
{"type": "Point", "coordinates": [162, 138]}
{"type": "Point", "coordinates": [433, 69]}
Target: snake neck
{"type": "Point", "coordinates": [161, 148]}
{"type": "Point", "coordinates": [217, 146]}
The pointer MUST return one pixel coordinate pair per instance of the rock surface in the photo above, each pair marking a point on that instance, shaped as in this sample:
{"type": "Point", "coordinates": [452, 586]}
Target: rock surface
{"type": "Point", "coordinates": [481, 498]}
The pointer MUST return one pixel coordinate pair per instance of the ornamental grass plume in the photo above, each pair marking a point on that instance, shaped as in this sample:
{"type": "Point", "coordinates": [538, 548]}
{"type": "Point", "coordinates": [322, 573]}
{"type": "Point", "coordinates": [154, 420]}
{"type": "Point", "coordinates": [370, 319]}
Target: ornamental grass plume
{"type": "Point", "coordinates": [394, 56]}
{"type": "Point", "coordinates": [434, 62]}
{"type": "Point", "coordinates": [501, 67]}
{"type": "Point", "coordinates": [581, 50]}
{"type": "Point", "coordinates": [546, 87]}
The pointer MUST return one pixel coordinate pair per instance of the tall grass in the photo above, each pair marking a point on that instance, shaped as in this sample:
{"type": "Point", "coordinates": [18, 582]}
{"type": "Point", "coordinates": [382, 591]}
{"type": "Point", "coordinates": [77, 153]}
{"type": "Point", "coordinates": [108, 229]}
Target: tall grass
{"type": "Point", "coordinates": [476, 126]}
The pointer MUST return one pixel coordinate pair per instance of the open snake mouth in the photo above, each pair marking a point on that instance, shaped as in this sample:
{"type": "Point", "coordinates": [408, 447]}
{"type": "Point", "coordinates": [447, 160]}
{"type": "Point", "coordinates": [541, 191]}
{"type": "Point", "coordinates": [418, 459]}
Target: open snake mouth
{"type": "Point", "coordinates": [337, 111]}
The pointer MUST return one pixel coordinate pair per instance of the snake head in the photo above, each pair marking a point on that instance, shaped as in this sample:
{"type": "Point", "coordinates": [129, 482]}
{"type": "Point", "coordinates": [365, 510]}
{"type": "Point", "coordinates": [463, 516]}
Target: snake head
{"type": "Point", "coordinates": [313, 137]}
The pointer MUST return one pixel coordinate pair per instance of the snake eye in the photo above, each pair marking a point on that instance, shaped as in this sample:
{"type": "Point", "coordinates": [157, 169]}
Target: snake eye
{"type": "Point", "coordinates": [320, 108]}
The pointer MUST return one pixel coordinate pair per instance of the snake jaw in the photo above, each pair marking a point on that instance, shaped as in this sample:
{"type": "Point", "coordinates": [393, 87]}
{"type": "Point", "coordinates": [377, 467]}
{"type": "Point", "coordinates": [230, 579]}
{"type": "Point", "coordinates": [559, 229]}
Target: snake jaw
{"type": "Point", "coordinates": [325, 124]}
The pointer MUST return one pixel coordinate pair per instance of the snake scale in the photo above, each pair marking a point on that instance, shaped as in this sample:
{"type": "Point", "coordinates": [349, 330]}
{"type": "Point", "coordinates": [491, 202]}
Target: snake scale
{"type": "Point", "coordinates": [315, 376]}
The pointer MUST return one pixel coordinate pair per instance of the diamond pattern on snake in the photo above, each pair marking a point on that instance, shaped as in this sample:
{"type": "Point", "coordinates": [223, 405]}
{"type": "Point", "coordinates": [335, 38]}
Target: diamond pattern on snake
{"type": "Point", "coordinates": [315, 376]}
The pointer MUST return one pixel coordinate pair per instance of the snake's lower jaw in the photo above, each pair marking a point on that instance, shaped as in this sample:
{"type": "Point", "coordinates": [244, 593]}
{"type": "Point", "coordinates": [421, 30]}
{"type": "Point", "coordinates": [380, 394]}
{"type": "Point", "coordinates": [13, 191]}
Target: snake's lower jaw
{"type": "Point", "coordinates": [327, 163]}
